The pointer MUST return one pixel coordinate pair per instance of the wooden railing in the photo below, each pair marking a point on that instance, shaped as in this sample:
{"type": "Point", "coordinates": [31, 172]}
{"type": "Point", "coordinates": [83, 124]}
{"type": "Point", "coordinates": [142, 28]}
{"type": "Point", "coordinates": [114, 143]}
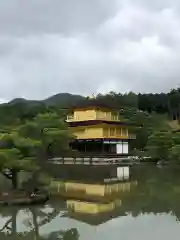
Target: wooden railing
{"type": "Point", "coordinates": [92, 160]}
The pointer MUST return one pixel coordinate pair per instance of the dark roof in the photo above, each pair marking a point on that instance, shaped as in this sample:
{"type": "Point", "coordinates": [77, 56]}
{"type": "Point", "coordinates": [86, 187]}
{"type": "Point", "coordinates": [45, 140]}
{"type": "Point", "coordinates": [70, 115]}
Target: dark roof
{"type": "Point", "coordinates": [93, 107]}
{"type": "Point", "coordinates": [96, 122]}
{"type": "Point", "coordinates": [101, 139]}
{"type": "Point", "coordinates": [92, 103]}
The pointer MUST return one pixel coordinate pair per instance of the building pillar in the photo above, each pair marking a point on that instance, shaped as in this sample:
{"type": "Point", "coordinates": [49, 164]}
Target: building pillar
{"type": "Point", "coordinates": [123, 173]}
{"type": "Point", "coordinates": [122, 147]}
{"type": "Point", "coordinates": [85, 147]}
{"type": "Point", "coordinates": [119, 147]}
{"type": "Point", "coordinates": [102, 147]}
{"type": "Point", "coordinates": [125, 147]}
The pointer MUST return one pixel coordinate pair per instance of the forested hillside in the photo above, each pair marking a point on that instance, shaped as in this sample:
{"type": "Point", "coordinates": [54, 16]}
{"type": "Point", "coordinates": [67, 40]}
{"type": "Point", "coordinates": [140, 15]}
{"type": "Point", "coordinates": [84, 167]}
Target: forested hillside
{"type": "Point", "coordinates": [162, 103]}
{"type": "Point", "coordinates": [32, 130]}
{"type": "Point", "coordinates": [150, 111]}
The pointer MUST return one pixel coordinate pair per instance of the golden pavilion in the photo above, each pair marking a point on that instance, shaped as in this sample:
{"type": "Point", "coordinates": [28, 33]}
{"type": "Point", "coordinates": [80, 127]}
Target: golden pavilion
{"type": "Point", "coordinates": [99, 130]}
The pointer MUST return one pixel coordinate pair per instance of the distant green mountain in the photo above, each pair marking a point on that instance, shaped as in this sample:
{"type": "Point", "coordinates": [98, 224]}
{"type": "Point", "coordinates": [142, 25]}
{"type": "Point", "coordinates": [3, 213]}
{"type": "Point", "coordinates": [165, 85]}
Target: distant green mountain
{"type": "Point", "coordinates": [23, 100]}
{"type": "Point", "coordinates": [63, 100]}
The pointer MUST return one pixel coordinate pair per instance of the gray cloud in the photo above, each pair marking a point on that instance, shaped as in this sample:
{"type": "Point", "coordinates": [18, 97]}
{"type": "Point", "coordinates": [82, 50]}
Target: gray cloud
{"type": "Point", "coordinates": [58, 16]}
{"type": "Point", "coordinates": [87, 46]}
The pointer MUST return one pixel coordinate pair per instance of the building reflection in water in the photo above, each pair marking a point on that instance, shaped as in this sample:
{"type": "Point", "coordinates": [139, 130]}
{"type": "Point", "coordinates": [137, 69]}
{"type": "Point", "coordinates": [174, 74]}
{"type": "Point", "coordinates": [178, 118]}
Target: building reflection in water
{"type": "Point", "coordinates": [150, 192]}
{"type": "Point", "coordinates": [85, 199]}
{"type": "Point", "coordinates": [92, 203]}
{"type": "Point", "coordinates": [101, 202]}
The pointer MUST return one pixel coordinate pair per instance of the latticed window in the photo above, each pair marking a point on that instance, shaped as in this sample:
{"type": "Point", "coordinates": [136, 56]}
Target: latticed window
{"type": "Point", "coordinates": [125, 131]}
{"type": "Point", "coordinates": [106, 132]}
{"type": "Point", "coordinates": [98, 115]}
{"type": "Point", "coordinates": [112, 131]}
{"type": "Point", "coordinates": [114, 116]}
{"type": "Point", "coordinates": [108, 115]}
{"type": "Point", "coordinates": [118, 131]}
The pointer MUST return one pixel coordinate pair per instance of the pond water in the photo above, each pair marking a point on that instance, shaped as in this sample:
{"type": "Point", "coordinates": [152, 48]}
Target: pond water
{"type": "Point", "coordinates": [151, 210]}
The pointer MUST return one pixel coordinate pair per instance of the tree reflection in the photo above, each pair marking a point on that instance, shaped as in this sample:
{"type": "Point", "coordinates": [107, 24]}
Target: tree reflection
{"type": "Point", "coordinates": [37, 219]}
{"type": "Point", "coordinates": [158, 191]}
{"type": "Point", "coordinates": [71, 234]}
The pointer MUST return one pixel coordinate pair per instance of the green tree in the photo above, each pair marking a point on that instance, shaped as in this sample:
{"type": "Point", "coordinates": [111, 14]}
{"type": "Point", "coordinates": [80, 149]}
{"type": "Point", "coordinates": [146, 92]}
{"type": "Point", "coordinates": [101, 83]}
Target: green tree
{"type": "Point", "coordinates": [175, 153]}
{"type": "Point", "coordinates": [175, 150]}
{"type": "Point", "coordinates": [160, 144]}
{"type": "Point", "coordinates": [47, 135]}
{"type": "Point", "coordinates": [16, 154]}
{"type": "Point", "coordinates": [144, 124]}
{"type": "Point", "coordinates": [51, 131]}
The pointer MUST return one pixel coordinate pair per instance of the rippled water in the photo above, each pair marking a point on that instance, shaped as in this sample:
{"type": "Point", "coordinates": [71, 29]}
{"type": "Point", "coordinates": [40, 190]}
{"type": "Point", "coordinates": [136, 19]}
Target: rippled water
{"type": "Point", "coordinates": [151, 210]}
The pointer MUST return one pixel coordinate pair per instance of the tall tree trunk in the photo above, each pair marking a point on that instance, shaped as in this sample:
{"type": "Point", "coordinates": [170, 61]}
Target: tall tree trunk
{"type": "Point", "coordinates": [14, 179]}
{"type": "Point", "coordinates": [169, 109]}
{"type": "Point", "coordinates": [36, 227]}
{"type": "Point", "coordinates": [14, 223]}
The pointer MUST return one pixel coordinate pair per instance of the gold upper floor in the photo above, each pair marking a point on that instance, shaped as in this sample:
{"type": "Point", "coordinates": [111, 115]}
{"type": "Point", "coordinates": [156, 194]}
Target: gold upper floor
{"type": "Point", "coordinates": [103, 131]}
{"type": "Point", "coordinates": [93, 114]}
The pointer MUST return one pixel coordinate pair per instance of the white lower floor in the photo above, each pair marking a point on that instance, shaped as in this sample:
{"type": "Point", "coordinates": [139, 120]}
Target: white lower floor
{"type": "Point", "coordinates": [101, 146]}
{"type": "Point", "coordinates": [122, 147]}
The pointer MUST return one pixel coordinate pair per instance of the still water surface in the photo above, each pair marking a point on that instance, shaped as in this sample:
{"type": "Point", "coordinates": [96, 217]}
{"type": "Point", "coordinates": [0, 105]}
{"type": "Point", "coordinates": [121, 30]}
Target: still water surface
{"type": "Point", "coordinates": [149, 211]}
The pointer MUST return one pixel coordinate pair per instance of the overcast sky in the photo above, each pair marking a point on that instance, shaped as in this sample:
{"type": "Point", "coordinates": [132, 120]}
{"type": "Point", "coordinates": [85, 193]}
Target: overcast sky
{"type": "Point", "coordinates": [88, 46]}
